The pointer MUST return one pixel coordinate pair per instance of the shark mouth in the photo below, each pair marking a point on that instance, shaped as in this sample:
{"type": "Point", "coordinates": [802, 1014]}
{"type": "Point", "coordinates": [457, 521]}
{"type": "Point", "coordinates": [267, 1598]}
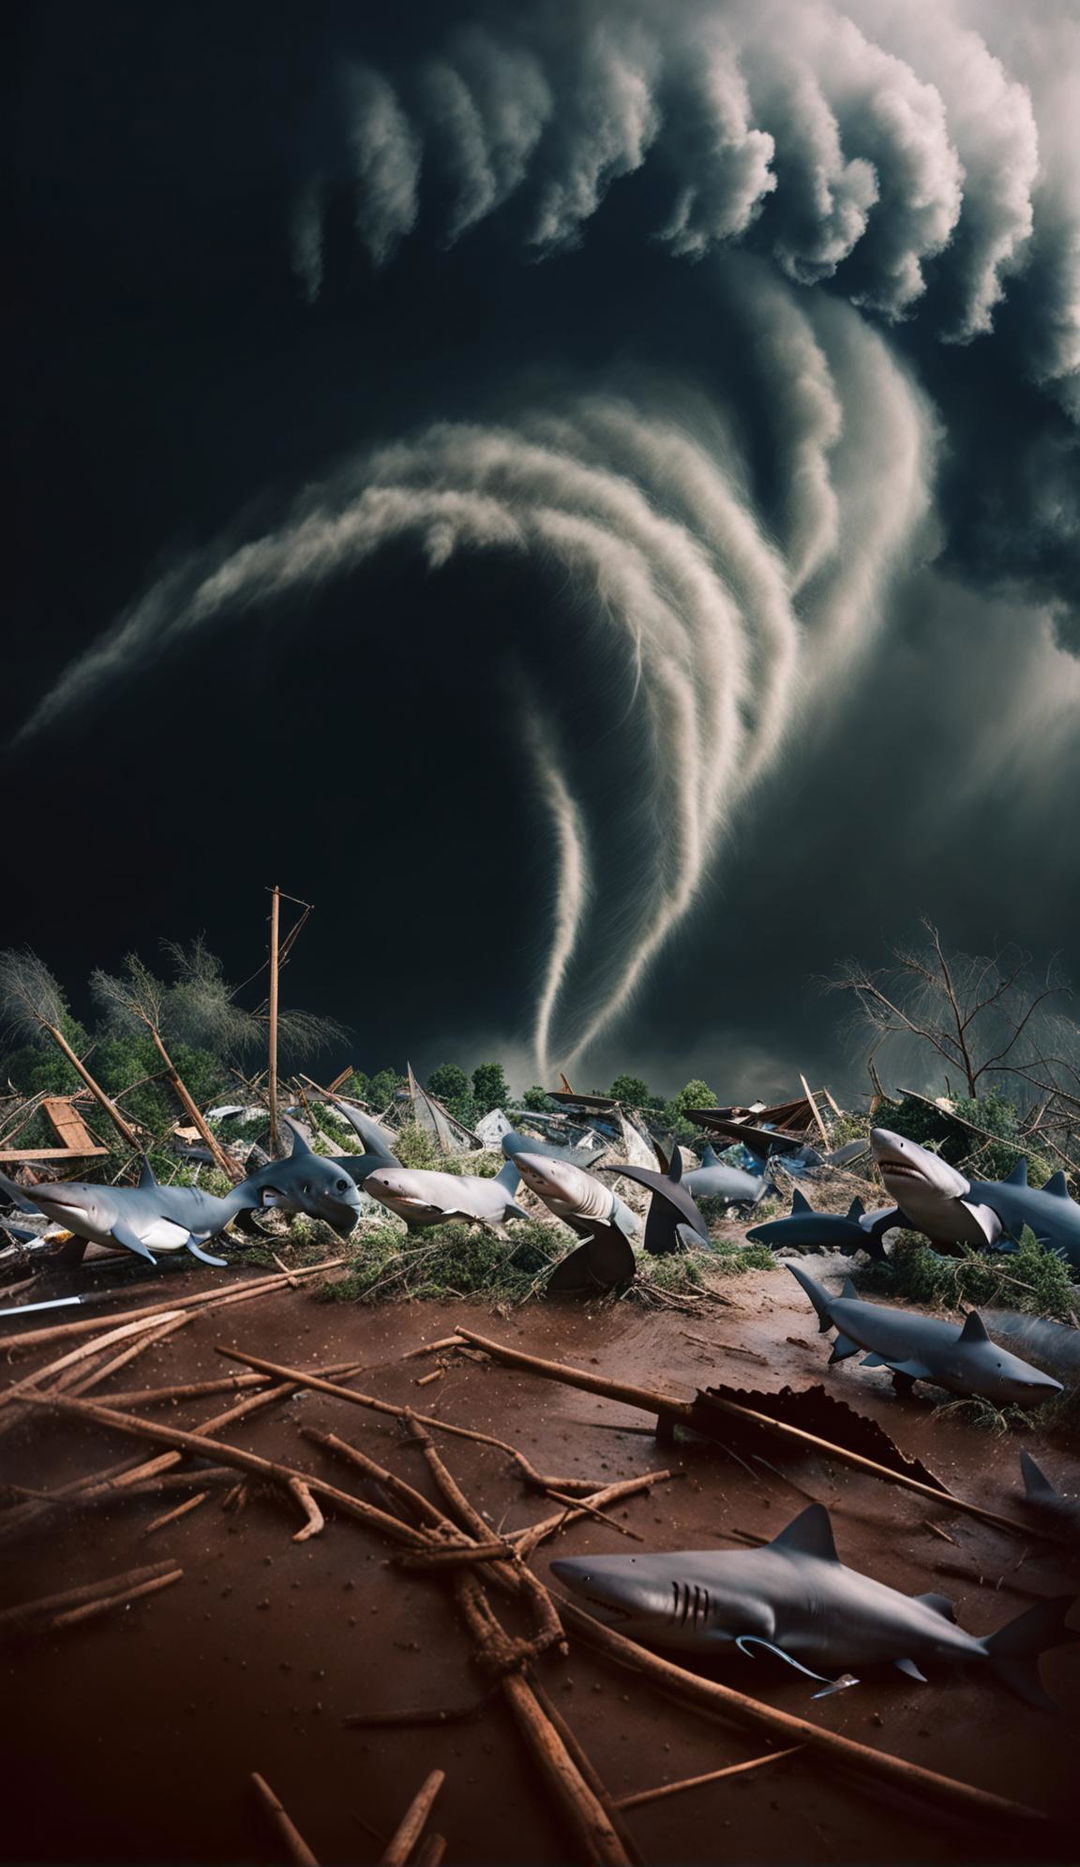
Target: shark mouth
{"type": "Point", "coordinates": [893, 1169]}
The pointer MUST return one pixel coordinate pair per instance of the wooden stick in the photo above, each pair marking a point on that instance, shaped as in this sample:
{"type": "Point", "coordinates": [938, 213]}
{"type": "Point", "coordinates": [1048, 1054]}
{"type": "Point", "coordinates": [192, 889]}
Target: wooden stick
{"type": "Point", "coordinates": [584, 1763]}
{"type": "Point", "coordinates": [388, 1720]}
{"type": "Point", "coordinates": [76, 1616]}
{"type": "Point", "coordinates": [692, 1415]}
{"type": "Point", "coordinates": [409, 1829]}
{"type": "Point", "coordinates": [126, 1133]}
{"type": "Point", "coordinates": [239, 1293]}
{"type": "Point", "coordinates": [527, 1540]}
{"type": "Point", "coordinates": [179, 1510]}
{"type": "Point", "coordinates": [186, 1390]}
{"type": "Point", "coordinates": [288, 1833]}
{"type": "Point", "coordinates": [77, 1355]}
{"type": "Point", "coordinates": [229, 1455]}
{"type": "Point", "coordinates": [580, 1805]}
{"type": "Point", "coordinates": [84, 1383]}
{"type": "Point", "coordinates": [26, 1612]}
{"type": "Point", "coordinates": [283, 1373]}
{"type": "Point", "coordinates": [926, 1785]}
{"type": "Point", "coordinates": [446, 1558]}
{"type": "Point", "coordinates": [695, 1782]}
{"type": "Point", "coordinates": [430, 1852]}
{"type": "Point", "coordinates": [316, 1522]}
{"type": "Point", "coordinates": [272, 1077]}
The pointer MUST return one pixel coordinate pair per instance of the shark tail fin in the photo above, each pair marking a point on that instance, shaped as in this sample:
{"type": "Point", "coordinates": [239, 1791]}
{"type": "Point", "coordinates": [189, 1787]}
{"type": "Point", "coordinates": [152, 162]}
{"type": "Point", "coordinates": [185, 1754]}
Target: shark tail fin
{"type": "Point", "coordinates": [1014, 1650]}
{"type": "Point", "coordinates": [819, 1297]}
{"type": "Point", "coordinates": [509, 1176]}
{"type": "Point", "coordinates": [1037, 1486]}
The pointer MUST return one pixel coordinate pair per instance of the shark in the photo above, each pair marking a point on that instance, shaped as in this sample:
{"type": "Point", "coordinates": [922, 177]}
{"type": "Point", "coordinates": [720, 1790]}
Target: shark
{"type": "Point", "coordinates": [718, 1179]}
{"type": "Point", "coordinates": [145, 1219]}
{"type": "Point", "coordinates": [805, 1229]}
{"type": "Point", "coordinates": [578, 1198]}
{"type": "Point", "coordinates": [794, 1598]}
{"type": "Point", "coordinates": [672, 1211]}
{"type": "Point", "coordinates": [314, 1184]}
{"type": "Point", "coordinates": [377, 1140]}
{"type": "Point", "coordinates": [933, 1197]}
{"type": "Point", "coordinates": [423, 1197]}
{"type": "Point", "coordinates": [1045, 1499]}
{"type": "Point", "coordinates": [920, 1348]}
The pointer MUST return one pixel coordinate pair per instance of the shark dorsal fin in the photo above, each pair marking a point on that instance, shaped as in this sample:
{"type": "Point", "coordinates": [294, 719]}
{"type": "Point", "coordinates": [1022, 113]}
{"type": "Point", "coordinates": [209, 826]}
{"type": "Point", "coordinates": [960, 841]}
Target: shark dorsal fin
{"type": "Point", "coordinates": [674, 1172]}
{"type": "Point", "coordinates": [710, 1158]}
{"type": "Point", "coordinates": [799, 1202]}
{"type": "Point", "coordinates": [1036, 1483]}
{"type": "Point", "coordinates": [1018, 1176]}
{"type": "Point", "coordinates": [856, 1209]}
{"type": "Point", "coordinates": [661, 1157]}
{"type": "Point", "coordinates": [1057, 1185]}
{"type": "Point", "coordinates": [146, 1175]}
{"type": "Point", "coordinates": [974, 1329]}
{"type": "Point", "coordinates": [299, 1145]}
{"type": "Point", "coordinates": [849, 1289]}
{"type": "Point", "coordinates": [808, 1534]}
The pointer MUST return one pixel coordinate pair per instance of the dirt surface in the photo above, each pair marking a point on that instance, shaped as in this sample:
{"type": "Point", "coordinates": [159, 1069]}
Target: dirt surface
{"type": "Point", "coordinates": [134, 1737]}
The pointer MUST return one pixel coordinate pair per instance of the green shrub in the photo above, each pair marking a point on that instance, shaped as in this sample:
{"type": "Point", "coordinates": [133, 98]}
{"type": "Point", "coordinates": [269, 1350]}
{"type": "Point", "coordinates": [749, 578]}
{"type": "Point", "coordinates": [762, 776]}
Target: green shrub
{"type": "Point", "coordinates": [1029, 1278]}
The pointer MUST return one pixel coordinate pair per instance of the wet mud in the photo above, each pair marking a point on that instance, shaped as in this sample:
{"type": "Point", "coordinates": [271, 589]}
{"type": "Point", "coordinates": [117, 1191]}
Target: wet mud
{"type": "Point", "coordinates": [134, 1737]}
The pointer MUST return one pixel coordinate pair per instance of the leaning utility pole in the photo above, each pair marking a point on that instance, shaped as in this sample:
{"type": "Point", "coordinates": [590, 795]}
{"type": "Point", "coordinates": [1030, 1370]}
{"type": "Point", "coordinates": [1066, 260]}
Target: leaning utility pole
{"type": "Point", "coordinates": [275, 919]}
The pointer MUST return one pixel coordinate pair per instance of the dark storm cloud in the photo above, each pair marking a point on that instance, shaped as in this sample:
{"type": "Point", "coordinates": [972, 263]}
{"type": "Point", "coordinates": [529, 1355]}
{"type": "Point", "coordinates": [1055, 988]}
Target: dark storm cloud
{"type": "Point", "coordinates": [654, 526]}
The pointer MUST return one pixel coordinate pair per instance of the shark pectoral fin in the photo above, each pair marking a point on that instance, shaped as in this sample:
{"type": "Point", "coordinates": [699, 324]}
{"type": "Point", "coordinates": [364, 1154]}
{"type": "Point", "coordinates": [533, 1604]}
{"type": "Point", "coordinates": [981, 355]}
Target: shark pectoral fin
{"type": "Point", "coordinates": [940, 1604]}
{"type": "Point", "coordinates": [249, 1224]}
{"type": "Point", "coordinates": [130, 1240]}
{"type": "Point", "coordinates": [842, 1348]}
{"type": "Point", "coordinates": [872, 1361]}
{"type": "Point", "coordinates": [204, 1257]}
{"type": "Point", "coordinates": [515, 1212]}
{"type": "Point", "coordinates": [909, 1667]}
{"type": "Point", "coordinates": [915, 1370]}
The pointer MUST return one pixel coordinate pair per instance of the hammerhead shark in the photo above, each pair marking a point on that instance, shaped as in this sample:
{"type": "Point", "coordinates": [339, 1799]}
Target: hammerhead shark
{"type": "Point", "coordinates": [307, 1182]}
{"type": "Point", "coordinates": [919, 1348]}
{"type": "Point", "coordinates": [1043, 1497]}
{"type": "Point", "coordinates": [578, 1198]}
{"type": "Point", "coordinates": [672, 1211]}
{"type": "Point", "coordinates": [145, 1219]}
{"type": "Point", "coordinates": [796, 1599]}
{"type": "Point", "coordinates": [936, 1198]}
{"type": "Point", "coordinates": [423, 1197]}
{"type": "Point", "coordinates": [805, 1229]}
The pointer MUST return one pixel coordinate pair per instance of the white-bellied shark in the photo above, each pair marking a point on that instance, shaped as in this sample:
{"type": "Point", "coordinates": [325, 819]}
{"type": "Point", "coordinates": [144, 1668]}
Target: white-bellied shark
{"type": "Point", "coordinates": [306, 1182]}
{"type": "Point", "coordinates": [796, 1599]}
{"type": "Point", "coordinates": [423, 1196]}
{"type": "Point", "coordinates": [920, 1348]}
{"type": "Point", "coordinates": [936, 1198]}
{"type": "Point", "coordinates": [144, 1219]}
{"type": "Point", "coordinates": [578, 1198]}
{"type": "Point", "coordinates": [1044, 1498]}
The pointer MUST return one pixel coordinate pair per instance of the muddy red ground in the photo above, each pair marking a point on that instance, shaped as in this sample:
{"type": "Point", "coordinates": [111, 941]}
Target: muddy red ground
{"type": "Point", "coordinates": [134, 1738]}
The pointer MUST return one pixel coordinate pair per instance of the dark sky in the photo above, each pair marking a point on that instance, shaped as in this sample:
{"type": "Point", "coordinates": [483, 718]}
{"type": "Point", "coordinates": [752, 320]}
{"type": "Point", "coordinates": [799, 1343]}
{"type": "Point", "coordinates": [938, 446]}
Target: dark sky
{"type": "Point", "coordinates": [176, 387]}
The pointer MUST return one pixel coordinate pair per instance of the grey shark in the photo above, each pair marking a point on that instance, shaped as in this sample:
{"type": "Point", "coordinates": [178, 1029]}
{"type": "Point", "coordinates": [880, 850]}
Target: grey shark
{"type": "Point", "coordinates": [920, 1348]}
{"type": "Point", "coordinates": [314, 1184]}
{"type": "Point", "coordinates": [144, 1219]}
{"type": "Point", "coordinates": [378, 1144]}
{"type": "Point", "coordinates": [672, 1212]}
{"type": "Point", "coordinates": [578, 1198]}
{"type": "Point", "coordinates": [936, 1198]}
{"type": "Point", "coordinates": [717, 1179]}
{"type": "Point", "coordinates": [1046, 1500]}
{"type": "Point", "coordinates": [796, 1599]}
{"type": "Point", "coordinates": [425, 1197]}
{"type": "Point", "coordinates": [804, 1229]}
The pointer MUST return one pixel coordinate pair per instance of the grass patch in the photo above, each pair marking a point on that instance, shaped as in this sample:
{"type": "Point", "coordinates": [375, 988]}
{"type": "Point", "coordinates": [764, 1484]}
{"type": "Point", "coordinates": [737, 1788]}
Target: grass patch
{"type": "Point", "coordinates": [1029, 1278]}
{"type": "Point", "coordinates": [448, 1261]}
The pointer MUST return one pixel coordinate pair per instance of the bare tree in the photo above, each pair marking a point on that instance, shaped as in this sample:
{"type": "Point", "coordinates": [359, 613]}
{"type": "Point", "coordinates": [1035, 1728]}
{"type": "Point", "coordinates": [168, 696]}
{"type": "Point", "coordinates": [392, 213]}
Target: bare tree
{"type": "Point", "coordinates": [32, 1005]}
{"type": "Point", "coordinates": [980, 1017]}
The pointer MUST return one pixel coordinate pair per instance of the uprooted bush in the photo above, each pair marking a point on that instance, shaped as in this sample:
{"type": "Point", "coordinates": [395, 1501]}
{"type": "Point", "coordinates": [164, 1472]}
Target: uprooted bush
{"type": "Point", "coordinates": [1029, 1278]}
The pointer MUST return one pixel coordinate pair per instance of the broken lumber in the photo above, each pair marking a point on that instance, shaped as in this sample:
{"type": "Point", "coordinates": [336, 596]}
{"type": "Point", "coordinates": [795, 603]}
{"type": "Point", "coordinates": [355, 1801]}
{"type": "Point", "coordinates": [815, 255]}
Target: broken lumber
{"type": "Point", "coordinates": [696, 1782]}
{"type": "Point", "coordinates": [409, 1829]}
{"type": "Point", "coordinates": [288, 1833]}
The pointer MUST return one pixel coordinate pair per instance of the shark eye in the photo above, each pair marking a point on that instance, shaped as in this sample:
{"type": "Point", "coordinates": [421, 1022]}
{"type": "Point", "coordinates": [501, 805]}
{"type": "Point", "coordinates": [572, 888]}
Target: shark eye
{"type": "Point", "coordinates": [342, 1186]}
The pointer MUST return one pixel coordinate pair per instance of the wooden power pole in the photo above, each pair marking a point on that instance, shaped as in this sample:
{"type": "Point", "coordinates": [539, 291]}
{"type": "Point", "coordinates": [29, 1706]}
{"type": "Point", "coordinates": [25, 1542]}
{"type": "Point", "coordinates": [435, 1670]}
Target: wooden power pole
{"type": "Point", "coordinates": [275, 922]}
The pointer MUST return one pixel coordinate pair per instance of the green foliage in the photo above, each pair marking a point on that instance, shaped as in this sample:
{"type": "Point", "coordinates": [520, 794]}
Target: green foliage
{"type": "Point", "coordinates": [633, 1092]}
{"type": "Point", "coordinates": [978, 1157]}
{"type": "Point", "coordinates": [448, 1261]}
{"type": "Point", "coordinates": [449, 1083]}
{"type": "Point", "coordinates": [682, 1273]}
{"type": "Point", "coordinates": [490, 1087]}
{"type": "Point", "coordinates": [539, 1101]}
{"type": "Point", "coordinates": [377, 1091]}
{"type": "Point", "coordinates": [1029, 1278]}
